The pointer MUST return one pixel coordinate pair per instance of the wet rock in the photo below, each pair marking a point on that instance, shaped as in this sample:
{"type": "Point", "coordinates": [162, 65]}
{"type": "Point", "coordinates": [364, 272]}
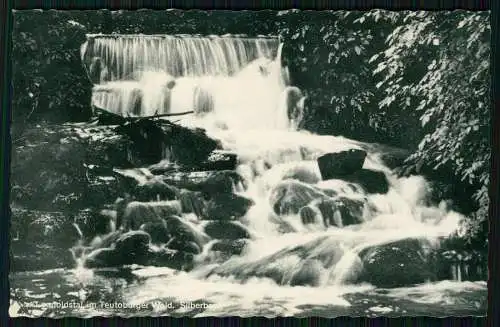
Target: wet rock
{"type": "Point", "coordinates": [371, 181]}
{"type": "Point", "coordinates": [309, 274]}
{"type": "Point", "coordinates": [185, 231]}
{"type": "Point", "coordinates": [133, 243]}
{"type": "Point", "coordinates": [166, 166]}
{"type": "Point", "coordinates": [290, 196]}
{"type": "Point", "coordinates": [174, 259]}
{"type": "Point", "coordinates": [397, 264]}
{"type": "Point", "coordinates": [184, 246]}
{"type": "Point", "coordinates": [230, 247]}
{"type": "Point", "coordinates": [104, 257]}
{"type": "Point", "coordinates": [209, 182]}
{"type": "Point", "coordinates": [337, 165]}
{"type": "Point", "coordinates": [158, 232]}
{"type": "Point", "coordinates": [341, 211]}
{"type": "Point", "coordinates": [139, 213]}
{"type": "Point", "coordinates": [156, 190]}
{"type": "Point", "coordinates": [93, 223]}
{"type": "Point", "coordinates": [192, 202]}
{"type": "Point", "coordinates": [297, 264]}
{"type": "Point", "coordinates": [309, 215]}
{"type": "Point", "coordinates": [227, 207]}
{"type": "Point", "coordinates": [226, 230]}
{"type": "Point", "coordinates": [36, 257]}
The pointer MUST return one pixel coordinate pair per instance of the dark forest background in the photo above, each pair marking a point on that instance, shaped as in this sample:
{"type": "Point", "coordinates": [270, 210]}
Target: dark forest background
{"type": "Point", "coordinates": [416, 80]}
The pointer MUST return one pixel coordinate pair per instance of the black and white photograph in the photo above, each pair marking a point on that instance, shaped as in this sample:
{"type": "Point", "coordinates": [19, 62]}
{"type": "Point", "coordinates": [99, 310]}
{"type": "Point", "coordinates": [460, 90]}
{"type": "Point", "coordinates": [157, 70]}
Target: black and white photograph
{"type": "Point", "coordinates": [272, 163]}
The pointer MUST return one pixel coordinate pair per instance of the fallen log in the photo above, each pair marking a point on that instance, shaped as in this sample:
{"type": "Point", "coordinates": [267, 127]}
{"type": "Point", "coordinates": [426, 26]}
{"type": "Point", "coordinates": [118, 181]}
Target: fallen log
{"type": "Point", "coordinates": [109, 118]}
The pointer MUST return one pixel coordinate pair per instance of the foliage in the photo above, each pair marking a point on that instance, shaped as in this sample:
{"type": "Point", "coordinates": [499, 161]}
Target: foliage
{"type": "Point", "coordinates": [49, 82]}
{"type": "Point", "coordinates": [436, 69]}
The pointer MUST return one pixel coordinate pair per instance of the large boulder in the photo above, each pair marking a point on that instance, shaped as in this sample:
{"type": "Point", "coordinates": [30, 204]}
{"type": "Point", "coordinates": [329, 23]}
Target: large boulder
{"type": "Point", "coordinates": [227, 206]}
{"type": "Point", "coordinates": [299, 265]}
{"type": "Point", "coordinates": [185, 232]}
{"type": "Point", "coordinates": [192, 202]}
{"type": "Point", "coordinates": [226, 230]}
{"type": "Point", "coordinates": [92, 222]}
{"type": "Point", "coordinates": [158, 231]}
{"type": "Point", "coordinates": [339, 164]}
{"type": "Point", "coordinates": [152, 137]}
{"type": "Point", "coordinates": [138, 213]}
{"type": "Point", "coordinates": [209, 182]}
{"type": "Point", "coordinates": [308, 273]}
{"type": "Point", "coordinates": [183, 245]}
{"type": "Point", "coordinates": [309, 215]}
{"type": "Point", "coordinates": [129, 248]}
{"type": "Point", "coordinates": [341, 211]}
{"type": "Point", "coordinates": [230, 247]}
{"type": "Point", "coordinates": [289, 196]}
{"type": "Point", "coordinates": [397, 264]}
{"type": "Point", "coordinates": [133, 243]}
{"type": "Point", "coordinates": [372, 181]}
{"type": "Point", "coordinates": [155, 190]}
{"type": "Point", "coordinates": [174, 259]}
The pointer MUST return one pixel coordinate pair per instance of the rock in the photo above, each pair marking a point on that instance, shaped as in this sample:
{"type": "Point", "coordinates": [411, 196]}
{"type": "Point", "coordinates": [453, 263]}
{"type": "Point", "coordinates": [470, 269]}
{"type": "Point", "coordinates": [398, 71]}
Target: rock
{"type": "Point", "coordinates": [185, 231]}
{"type": "Point", "coordinates": [173, 259]}
{"type": "Point", "coordinates": [230, 247]}
{"type": "Point", "coordinates": [219, 160]}
{"type": "Point", "coordinates": [36, 257]}
{"type": "Point", "coordinates": [133, 243]}
{"type": "Point", "coordinates": [337, 165]}
{"type": "Point", "coordinates": [309, 274]}
{"type": "Point", "coordinates": [209, 182]}
{"type": "Point", "coordinates": [289, 196]}
{"type": "Point", "coordinates": [139, 213]}
{"type": "Point", "coordinates": [104, 257]}
{"type": "Point", "coordinates": [92, 223]}
{"type": "Point", "coordinates": [166, 166]}
{"type": "Point", "coordinates": [189, 146]}
{"type": "Point", "coordinates": [397, 264]}
{"type": "Point", "coordinates": [158, 232]}
{"type": "Point", "coordinates": [156, 190]}
{"type": "Point", "coordinates": [227, 207]}
{"type": "Point", "coordinates": [309, 215]}
{"type": "Point", "coordinates": [329, 212]}
{"type": "Point", "coordinates": [341, 209]}
{"type": "Point", "coordinates": [371, 181]}
{"type": "Point", "coordinates": [192, 202]}
{"type": "Point", "coordinates": [392, 157]}
{"type": "Point", "coordinates": [299, 264]}
{"type": "Point", "coordinates": [184, 246]}
{"type": "Point", "coordinates": [226, 230]}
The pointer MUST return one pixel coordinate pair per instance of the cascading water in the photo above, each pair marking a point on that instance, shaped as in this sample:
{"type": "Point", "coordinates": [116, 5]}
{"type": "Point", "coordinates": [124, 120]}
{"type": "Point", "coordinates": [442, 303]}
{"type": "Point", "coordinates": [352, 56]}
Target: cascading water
{"type": "Point", "coordinates": [143, 75]}
{"type": "Point", "coordinates": [285, 260]}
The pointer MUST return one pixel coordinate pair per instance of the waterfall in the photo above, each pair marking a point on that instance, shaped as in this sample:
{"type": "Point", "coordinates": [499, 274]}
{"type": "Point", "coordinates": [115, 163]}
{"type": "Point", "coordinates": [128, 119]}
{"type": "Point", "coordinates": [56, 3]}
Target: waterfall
{"type": "Point", "coordinates": [142, 75]}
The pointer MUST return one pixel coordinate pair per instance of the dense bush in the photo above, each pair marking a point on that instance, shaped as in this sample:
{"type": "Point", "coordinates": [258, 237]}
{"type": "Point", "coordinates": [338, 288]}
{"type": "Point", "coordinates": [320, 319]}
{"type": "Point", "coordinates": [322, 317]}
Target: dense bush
{"type": "Point", "coordinates": [49, 82]}
{"type": "Point", "coordinates": [436, 69]}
